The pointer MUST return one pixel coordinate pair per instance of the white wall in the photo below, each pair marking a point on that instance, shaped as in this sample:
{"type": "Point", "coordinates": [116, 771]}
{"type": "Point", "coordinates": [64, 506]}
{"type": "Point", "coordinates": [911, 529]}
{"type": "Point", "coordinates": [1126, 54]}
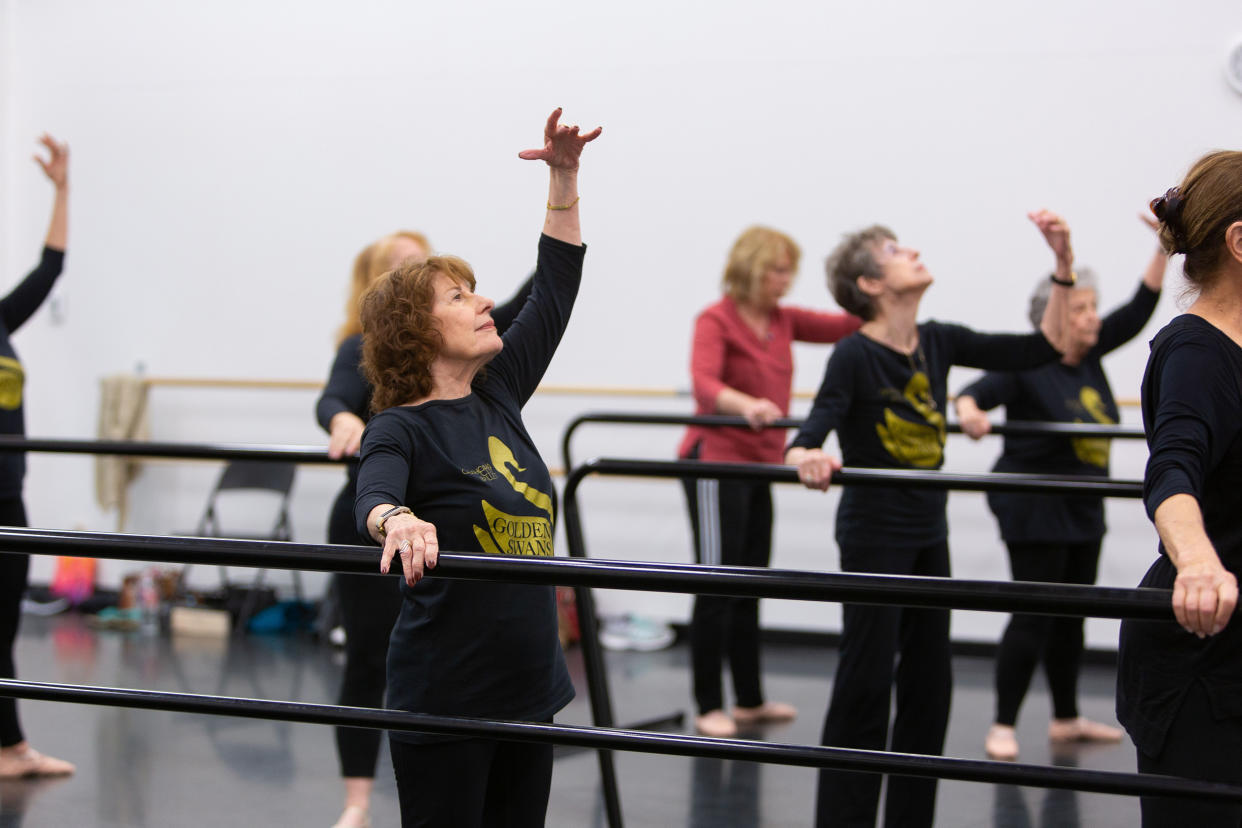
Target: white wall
{"type": "Point", "coordinates": [230, 158]}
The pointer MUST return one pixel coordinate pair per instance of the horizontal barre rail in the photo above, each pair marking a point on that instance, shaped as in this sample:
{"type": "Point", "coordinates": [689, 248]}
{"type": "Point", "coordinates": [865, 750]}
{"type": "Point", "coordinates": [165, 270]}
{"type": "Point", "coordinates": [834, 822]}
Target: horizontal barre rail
{"type": "Point", "coordinates": [848, 476]}
{"type": "Point", "coordinates": [188, 451]}
{"type": "Point", "coordinates": [1023, 428]}
{"type": "Point", "coordinates": [734, 581]}
{"type": "Point", "coordinates": [1014, 428]}
{"type": "Point", "coordinates": [604, 738]}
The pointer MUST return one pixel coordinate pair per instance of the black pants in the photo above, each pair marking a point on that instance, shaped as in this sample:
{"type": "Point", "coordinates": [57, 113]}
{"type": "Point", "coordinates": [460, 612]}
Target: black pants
{"type": "Point", "coordinates": [14, 569]}
{"type": "Point", "coordinates": [1057, 641]}
{"type": "Point", "coordinates": [1199, 746]}
{"type": "Point", "coordinates": [871, 637]}
{"type": "Point", "coordinates": [369, 607]}
{"type": "Point", "coordinates": [732, 525]}
{"type": "Point", "coordinates": [472, 783]}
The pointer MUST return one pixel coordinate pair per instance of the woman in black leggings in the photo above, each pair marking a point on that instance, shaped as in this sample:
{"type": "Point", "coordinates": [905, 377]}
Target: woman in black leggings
{"type": "Point", "coordinates": [1055, 538]}
{"type": "Point", "coordinates": [17, 757]}
{"type": "Point", "coordinates": [369, 604]}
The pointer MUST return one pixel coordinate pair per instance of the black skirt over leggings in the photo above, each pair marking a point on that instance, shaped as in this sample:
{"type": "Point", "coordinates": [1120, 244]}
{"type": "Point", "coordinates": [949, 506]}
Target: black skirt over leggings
{"type": "Point", "coordinates": [369, 607]}
{"type": "Point", "coordinates": [14, 569]}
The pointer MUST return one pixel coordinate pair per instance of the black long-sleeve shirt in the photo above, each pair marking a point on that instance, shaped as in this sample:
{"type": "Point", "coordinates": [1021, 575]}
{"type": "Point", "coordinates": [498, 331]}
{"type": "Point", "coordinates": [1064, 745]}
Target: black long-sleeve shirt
{"type": "Point", "coordinates": [1059, 393]}
{"type": "Point", "coordinates": [888, 410]}
{"type": "Point", "coordinates": [15, 308]}
{"type": "Point", "coordinates": [468, 466]}
{"type": "Point", "coordinates": [1192, 412]}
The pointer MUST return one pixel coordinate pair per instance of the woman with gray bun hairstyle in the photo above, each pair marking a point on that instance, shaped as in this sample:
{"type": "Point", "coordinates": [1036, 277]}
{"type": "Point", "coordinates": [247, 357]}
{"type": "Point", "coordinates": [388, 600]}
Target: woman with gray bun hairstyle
{"type": "Point", "coordinates": [1178, 680]}
{"type": "Point", "coordinates": [1055, 538]}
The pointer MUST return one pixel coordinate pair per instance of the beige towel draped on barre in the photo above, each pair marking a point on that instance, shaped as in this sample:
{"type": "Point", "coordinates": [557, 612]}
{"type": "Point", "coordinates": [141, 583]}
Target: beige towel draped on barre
{"type": "Point", "coordinates": [122, 416]}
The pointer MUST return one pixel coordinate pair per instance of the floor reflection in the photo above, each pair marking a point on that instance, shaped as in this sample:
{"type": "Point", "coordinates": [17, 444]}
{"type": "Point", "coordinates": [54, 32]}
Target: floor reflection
{"type": "Point", "coordinates": [1057, 808]}
{"type": "Point", "coordinates": [16, 796]}
{"type": "Point", "coordinates": [724, 794]}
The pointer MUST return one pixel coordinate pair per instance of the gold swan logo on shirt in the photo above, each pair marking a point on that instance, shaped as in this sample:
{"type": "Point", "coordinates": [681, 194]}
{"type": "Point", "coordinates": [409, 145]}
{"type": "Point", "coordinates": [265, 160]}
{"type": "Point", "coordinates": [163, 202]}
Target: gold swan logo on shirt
{"type": "Point", "coordinates": [915, 444]}
{"type": "Point", "coordinates": [1092, 450]}
{"type": "Point", "coordinates": [507, 534]}
{"type": "Point", "coordinates": [12, 378]}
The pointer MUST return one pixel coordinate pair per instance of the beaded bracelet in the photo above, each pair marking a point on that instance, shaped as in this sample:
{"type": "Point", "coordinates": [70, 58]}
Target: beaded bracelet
{"type": "Point", "coordinates": [382, 519]}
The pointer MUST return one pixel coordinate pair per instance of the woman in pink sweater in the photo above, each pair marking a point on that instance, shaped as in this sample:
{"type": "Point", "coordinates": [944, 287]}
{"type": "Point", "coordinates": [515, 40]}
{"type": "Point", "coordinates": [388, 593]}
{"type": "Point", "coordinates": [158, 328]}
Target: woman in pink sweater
{"type": "Point", "coordinates": [742, 364]}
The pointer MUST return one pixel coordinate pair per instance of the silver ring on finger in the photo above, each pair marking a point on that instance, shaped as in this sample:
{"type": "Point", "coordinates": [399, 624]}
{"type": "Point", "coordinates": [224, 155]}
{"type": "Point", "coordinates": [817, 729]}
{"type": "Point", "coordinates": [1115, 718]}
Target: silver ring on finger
{"type": "Point", "coordinates": [405, 545]}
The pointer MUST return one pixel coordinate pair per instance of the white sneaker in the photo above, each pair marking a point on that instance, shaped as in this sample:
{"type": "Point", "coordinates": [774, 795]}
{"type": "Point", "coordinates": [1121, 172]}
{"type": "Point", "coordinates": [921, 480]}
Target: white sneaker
{"type": "Point", "coordinates": [632, 632]}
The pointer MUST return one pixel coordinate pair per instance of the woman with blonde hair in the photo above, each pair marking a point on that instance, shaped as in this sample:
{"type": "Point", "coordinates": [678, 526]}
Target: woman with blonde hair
{"type": "Point", "coordinates": [369, 605]}
{"type": "Point", "coordinates": [741, 363]}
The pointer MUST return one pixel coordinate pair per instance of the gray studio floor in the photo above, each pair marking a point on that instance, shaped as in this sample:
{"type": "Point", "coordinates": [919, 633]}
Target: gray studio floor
{"type": "Point", "coordinates": [152, 768]}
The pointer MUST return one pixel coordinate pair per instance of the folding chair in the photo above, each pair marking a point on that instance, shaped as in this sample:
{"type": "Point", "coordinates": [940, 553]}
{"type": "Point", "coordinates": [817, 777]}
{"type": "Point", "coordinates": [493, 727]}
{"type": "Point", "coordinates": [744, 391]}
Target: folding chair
{"type": "Point", "coordinates": [251, 478]}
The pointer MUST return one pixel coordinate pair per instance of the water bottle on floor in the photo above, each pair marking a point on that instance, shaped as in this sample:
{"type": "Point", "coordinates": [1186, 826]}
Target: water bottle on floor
{"type": "Point", "coordinates": [149, 601]}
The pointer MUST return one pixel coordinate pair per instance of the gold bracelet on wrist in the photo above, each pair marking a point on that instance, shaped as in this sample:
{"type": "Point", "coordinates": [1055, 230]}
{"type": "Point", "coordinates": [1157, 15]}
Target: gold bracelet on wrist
{"type": "Point", "coordinates": [552, 206]}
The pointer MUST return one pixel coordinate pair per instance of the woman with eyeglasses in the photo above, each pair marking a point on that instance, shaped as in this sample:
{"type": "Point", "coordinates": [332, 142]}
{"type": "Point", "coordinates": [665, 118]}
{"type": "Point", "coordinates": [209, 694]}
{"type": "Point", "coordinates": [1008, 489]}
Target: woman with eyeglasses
{"type": "Point", "coordinates": [1055, 538]}
{"type": "Point", "coordinates": [884, 393]}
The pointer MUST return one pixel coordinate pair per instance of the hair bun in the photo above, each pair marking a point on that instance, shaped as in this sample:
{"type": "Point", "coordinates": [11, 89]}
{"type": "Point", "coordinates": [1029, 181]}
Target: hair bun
{"type": "Point", "coordinates": [1168, 208]}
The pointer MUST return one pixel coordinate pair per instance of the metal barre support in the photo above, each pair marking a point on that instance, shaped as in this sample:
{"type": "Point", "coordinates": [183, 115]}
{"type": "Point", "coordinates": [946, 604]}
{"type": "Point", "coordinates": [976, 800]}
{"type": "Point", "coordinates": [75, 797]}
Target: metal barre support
{"type": "Point", "coordinates": [940, 767]}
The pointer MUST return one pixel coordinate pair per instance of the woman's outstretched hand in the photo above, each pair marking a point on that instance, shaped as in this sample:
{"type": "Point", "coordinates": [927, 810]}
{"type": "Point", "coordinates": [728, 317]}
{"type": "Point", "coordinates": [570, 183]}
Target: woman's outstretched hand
{"type": "Point", "coordinates": [56, 165]}
{"type": "Point", "coordinates": [1056, 233]}
{"type": "Point", "coordinates": [562, 145]}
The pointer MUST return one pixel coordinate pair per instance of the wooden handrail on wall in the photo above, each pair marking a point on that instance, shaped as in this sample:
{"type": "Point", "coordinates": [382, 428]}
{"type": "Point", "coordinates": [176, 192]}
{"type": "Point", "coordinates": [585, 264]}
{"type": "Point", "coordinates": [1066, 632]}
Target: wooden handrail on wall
{"type": "Point", "coordinates": [559, 390]}
{"type": "Point", "coordinates": [233, 382]}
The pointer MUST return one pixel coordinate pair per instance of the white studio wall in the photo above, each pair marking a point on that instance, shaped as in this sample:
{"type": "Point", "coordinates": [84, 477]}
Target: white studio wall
{"type": "Point", "coordinates": [229, 159]}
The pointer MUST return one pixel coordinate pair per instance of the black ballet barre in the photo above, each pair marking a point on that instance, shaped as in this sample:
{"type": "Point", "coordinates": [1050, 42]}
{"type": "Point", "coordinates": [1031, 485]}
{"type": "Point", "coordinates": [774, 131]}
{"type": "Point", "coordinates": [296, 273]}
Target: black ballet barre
{"type": "Point", "coordinates": [593, 661]}
{"type": "Point", "coordinates": [180, 451]}
{"type": "Point", "coordinates": [849, 476]}
{"type": "Point", "coordinates": [1015, 428]}
{"type": "Point", "coordinates": [866, 761]}
{"type": "Point", "coordinates": [733, 581]}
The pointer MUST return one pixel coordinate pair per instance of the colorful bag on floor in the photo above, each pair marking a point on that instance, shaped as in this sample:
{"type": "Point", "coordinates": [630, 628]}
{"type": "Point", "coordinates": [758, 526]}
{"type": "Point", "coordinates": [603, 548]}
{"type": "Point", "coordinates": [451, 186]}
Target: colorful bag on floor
{"type": "Point", "coordinates": [74, 579]}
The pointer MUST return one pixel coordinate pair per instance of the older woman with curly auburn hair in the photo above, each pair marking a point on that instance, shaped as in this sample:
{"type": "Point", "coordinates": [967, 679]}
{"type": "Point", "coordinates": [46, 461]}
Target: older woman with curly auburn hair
{"type": "Point", "coordinates": [369, 605]}
{"type": "Point", "coordinates": [448, 462]}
